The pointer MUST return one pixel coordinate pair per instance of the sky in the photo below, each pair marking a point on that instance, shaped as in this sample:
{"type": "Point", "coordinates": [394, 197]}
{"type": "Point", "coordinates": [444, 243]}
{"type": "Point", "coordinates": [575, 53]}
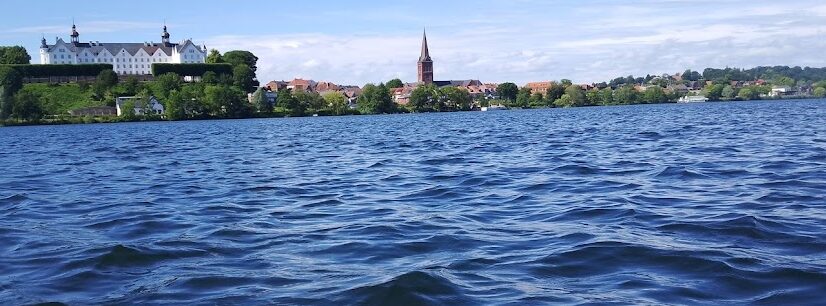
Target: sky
{"type": "Point", "coordinates": [361, 41]}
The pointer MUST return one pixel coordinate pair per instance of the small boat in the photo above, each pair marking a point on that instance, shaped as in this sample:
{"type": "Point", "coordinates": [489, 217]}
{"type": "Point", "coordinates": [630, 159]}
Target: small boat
{"type": "Point", "coordinates": [692, 99]}
{"type": "Point", "coordinates": [494, 108]}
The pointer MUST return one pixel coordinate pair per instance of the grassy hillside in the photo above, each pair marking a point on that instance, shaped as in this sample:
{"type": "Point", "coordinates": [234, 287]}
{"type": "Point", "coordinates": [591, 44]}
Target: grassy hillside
{"type": "Point", "coordinates": [59, 99]}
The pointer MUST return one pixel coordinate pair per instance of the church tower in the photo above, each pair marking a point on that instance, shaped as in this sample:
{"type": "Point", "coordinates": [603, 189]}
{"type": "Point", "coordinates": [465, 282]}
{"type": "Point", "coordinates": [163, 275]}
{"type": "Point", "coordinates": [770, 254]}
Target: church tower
{"type": "Point", "coordinates": [75, 35]}
{"type": "Point", "coordinates": [425, 63]}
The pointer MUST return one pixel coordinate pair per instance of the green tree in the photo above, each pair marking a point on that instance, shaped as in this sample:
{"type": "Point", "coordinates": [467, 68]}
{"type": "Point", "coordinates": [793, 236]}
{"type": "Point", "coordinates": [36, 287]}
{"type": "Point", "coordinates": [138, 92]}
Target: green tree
{"type": "Point", "coordinates": [127, 110]}
{"type": "Point", "coordinates": [606, 96]}
{"type": "Point", "coordinates": [554, 92]}
{"type": "Point", "coordinates": [654, 94]}
{"type": "Point", "coordinates": [336, 103]}
{"type": "Point", "coordinates": [10, 83]}
{"type": "Point", "coordinates": [214, 57]}
{"type": "Point", "coordinates": [238, 57]}
{"type": "Point", "coordinates": [820, 92]}
{"type": "Point", "coordinates": [625, 95]}
{"type": "Point", "coordinates": [784, 81]}
{"type": "Point", "coordinates": [747, 94]}
{"type": "Point", "coordinates": [260, 101]}
{"type": "Point", "coordinates": [165, 84]}
{"type": "Point", "coordinates": [456, 98]}
{"type": "Point", "coordinates": [713, 92]}
{"type": "Point", "coordinates": [244, 78]}
{"type": "Point", "coordinates": [395, 83]}
{"type": "Point", "coordinates": [27, 107]}
{"type": "Point", "coordinates": [523, 97]}
{"type": "Point", "coordinates": [576, 95]}
{"type": "Point", "coordinates": [566, 83]}
{"type": "Point", "coordinates": [210, 78]}
{"type": "Point", "coordinates": [728, 92]}
{"type": "Point", "coordinates": [104, 83]}
{"type": "Point", "coordinates": [564, 101]}
{"type": "Point", "coordinates": [14, 55]}
{"type": "Point", "coordinates": [309, 101]}
{"type": "Point", "coordinates": [507, 91]}
{"type": "Point", "coordinates": [131, 86]}
{"type": "Point", "coordinates": [286, 101]}
{"type": "Point", "coordinates": [175, 108]}
{"type": "Point", "coordinates": [424, 98]}
{"type": "Point", "coordinates": [376, 100]}
{"type": "Point", "coordinates": [537, 100]}
{"type": "Point", "coordinates": [231, 101]}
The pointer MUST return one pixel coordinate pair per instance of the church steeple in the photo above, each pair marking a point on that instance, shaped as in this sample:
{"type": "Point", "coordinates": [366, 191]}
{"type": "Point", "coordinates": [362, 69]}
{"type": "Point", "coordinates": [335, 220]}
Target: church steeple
{"type": "Point", "coordinates": [425, 57]}
{"type": "Point", "coordinates": [425, 64]}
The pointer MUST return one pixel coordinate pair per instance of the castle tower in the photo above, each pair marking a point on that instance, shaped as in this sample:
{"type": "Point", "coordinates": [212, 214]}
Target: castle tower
{"type": "Point", "coordinates": [75, 35]}
{"type": "Point", "coordinates": [425, 64]}
{"type": "Point", "coordinates": [165, 36]}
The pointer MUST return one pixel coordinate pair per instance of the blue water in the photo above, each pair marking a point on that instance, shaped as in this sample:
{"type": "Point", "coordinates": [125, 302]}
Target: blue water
{"type": "Point", "coordinates": [712, 203]}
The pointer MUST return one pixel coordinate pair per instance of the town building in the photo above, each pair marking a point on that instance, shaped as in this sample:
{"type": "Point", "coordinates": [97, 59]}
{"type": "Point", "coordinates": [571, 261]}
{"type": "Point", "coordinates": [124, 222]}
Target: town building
{"type": "Point", "coordinates": [539, 87]}
{"type": "Point", "coordinates": [154, 108]}
{"type": "Point", "coordinates": [125, 58]}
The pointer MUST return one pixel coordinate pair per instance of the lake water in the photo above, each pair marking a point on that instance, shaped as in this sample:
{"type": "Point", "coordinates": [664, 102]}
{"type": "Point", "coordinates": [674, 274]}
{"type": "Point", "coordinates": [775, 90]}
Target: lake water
{"type": "Point", "coordinates": [710, 203]}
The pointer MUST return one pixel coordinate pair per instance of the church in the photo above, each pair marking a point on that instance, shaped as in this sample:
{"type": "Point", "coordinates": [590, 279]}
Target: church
{"type": "Point", "coordinates": [425, 70]}
{"type": "Point", "coordinates": [125, 58]}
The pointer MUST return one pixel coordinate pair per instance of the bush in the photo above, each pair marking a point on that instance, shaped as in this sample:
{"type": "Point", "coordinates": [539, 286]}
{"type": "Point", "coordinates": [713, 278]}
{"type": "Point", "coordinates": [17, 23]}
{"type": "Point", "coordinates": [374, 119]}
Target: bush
{"type": "Point", "coordinates": [191, 69]}
{"type": "Point", "coordinates": [65, 70]}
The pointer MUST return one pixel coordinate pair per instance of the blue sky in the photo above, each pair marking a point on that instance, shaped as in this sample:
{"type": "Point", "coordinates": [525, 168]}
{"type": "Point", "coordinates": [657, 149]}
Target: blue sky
{"type": "Point", "coordinates": [354, 42]}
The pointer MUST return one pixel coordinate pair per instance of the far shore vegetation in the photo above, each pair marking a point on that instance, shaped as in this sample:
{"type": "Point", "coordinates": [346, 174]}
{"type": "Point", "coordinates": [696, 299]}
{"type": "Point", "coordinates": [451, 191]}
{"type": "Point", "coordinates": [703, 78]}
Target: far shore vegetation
{"type": "Point", "coordinates": [219, 89]}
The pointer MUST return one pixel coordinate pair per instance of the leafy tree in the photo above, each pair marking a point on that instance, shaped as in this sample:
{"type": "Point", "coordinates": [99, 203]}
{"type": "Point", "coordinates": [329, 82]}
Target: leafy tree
{"type": "Point", "coordinates": [564, 101]}
{"type": "Point", "coordinates": [456, 98]}
{"type": "Point", "coordinates": [566, 83]}
{"type": "Point", "coordinates": [27, 107]}
{"type": "Point", "coordinates": [507, 91]}
{"type": "Point", "coordinates": [747, 94]}
{"type": "Point", "coordinates": [175, 108]}
{"type": "Point", "coordinates": [714, 92]}
{"type": "Point", "coordinates": [131, 86]}
{"type": "Point", "coordinates": [728, 92]}
{"type": "Point", "coordinates": [523, 97]}
{"type": "Point", "coordinates": [784, 81]}
{"type": "Point", "coordinates": [555, 91]}
{"type": "Point", "coordinates": [238, 57]}
{"type": "Point", "coordinates": [210, 78]}
{"type": "Point", "coordinates": [127, 110]}
{"type": "Point", "coordinates": [336, 103]}
{"type": "Point", "coordinates": [592, 97]}
{"type": "Point", "coordinates": [820, 92]}
{"type": "Point", "coordinates": [576, 95]}
{"type": "Point", "coordinates": [260, 101]}
{"type": "Point", "coordinates": [625, 95]}
{"type": "Point", "coordinates": [10, 83]}
{"type": "Point", "coordinates": [654, 94]}
{"type": "Point", "coordinates": [424, 98]}
{"type": "Point", "coordinates": [286, 100]}
{"type": "Point", "coordinates": [107, 79]}
{"type": "Point", "coordinates": [214, 57]}
{"type": "Point", "coordinates": [165, 84]}
{"type": "Point", "coordinates": [376, 100]}
{"type": "Point", "coordinates": [395, 83]}
{"type": "Point", "coordinates": [537, 100]}
{"type": "Point", "coordinates": [309, 101]}
{"type": "Point", "coordinates": [606, 96]}
{"type": "Point", "coordinates": [244, 78]}
{"type": "Point", "coordinates": [231, 101]}
{"type": "Point", "coordinates": [15, 55]}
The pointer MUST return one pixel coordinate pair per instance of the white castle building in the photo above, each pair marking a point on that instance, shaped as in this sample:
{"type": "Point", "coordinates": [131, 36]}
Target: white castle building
{"type": "Point", "coordinates": [126, 58]}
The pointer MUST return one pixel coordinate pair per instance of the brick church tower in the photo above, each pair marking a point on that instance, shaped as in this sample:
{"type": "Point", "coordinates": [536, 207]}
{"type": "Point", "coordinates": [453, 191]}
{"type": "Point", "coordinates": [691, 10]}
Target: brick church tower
{"type": "Point", "coordinates": [425, 63]}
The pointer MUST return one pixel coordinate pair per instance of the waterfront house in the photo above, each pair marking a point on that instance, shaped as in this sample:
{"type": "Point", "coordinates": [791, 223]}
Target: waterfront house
{"type": "Point", "coordinates": [154, 107]}
{"type": "Point", "coordinates": [539, 87]}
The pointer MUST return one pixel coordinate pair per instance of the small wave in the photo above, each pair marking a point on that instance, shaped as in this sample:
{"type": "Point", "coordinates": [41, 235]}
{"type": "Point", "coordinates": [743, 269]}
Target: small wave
{"type": "Point", "coordinates": [414, 288]}
{"type": "Point", "coordinates": [123, 256]}
{"type": "Point", "coordinates": [681, 173]}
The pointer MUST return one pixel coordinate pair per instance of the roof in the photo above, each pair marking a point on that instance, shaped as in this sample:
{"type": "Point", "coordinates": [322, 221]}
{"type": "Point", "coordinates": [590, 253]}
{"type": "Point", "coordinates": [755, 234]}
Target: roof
{"type": "Point", "coordinates": [425, 56]}
{"type": "Point", "coordinates": [131, 48]}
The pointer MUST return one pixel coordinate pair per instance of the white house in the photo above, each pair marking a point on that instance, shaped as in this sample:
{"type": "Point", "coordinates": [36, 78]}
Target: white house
{"type": "Point", "coordinates": [154, 108]}
{"type": "Point", "coordinates": [126, 58]}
